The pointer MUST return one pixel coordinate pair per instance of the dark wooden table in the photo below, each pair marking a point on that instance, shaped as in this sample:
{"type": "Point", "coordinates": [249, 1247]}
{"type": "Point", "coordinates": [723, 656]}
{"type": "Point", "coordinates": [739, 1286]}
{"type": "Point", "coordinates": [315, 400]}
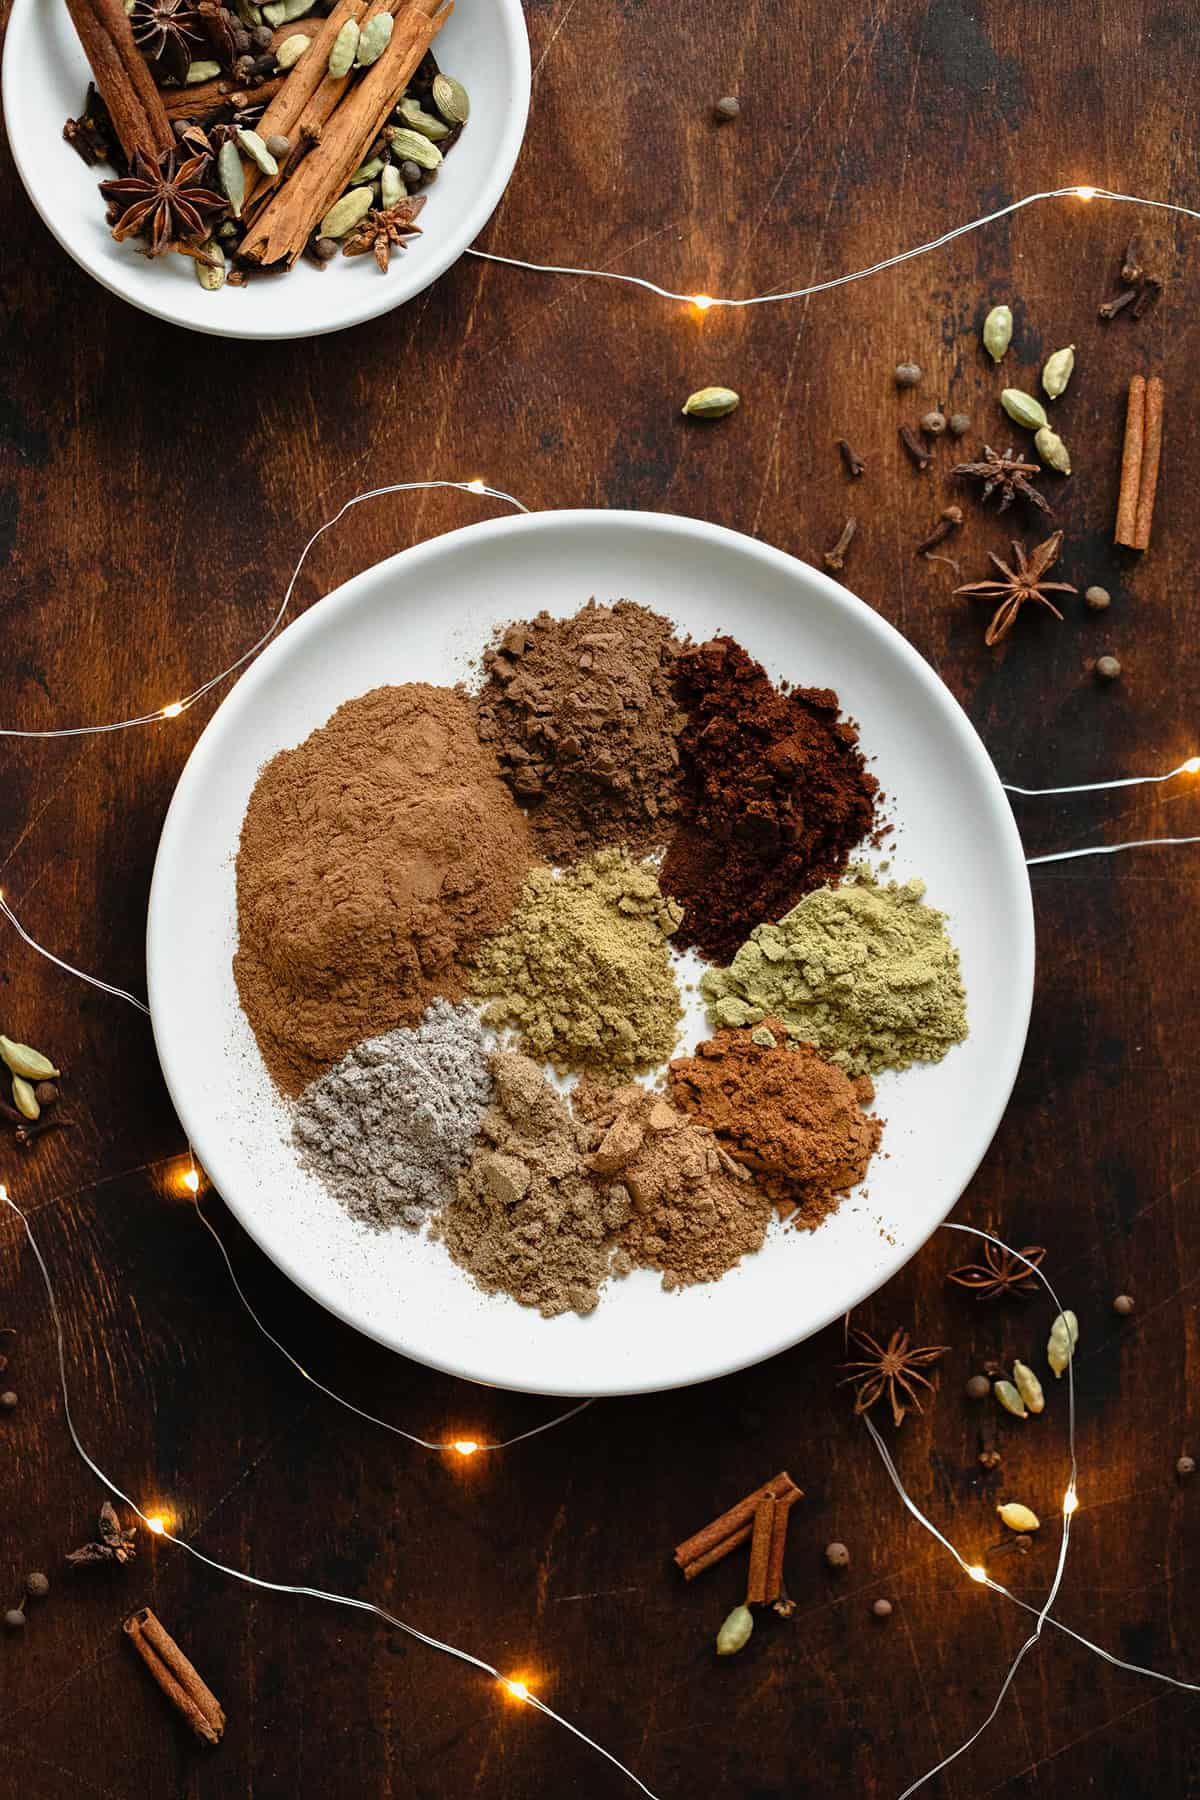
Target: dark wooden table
{"type": "Point", "coordinates": [156, 490]}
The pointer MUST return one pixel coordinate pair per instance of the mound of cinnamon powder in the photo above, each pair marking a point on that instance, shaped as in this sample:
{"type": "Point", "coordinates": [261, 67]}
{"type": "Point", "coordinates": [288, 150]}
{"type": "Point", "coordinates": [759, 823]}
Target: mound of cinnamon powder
{"type": "Point", "coordinates": [374, 859]}
{"type": "Point", "coordinates": [775, 797]}
{"type": "Point", "coordinates": [795, 1120]}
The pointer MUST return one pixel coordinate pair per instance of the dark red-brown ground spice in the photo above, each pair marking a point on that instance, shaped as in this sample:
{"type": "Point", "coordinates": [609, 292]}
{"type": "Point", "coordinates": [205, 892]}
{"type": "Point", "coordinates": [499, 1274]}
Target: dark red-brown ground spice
{"type": "Point", "coordinates": [775, 797]}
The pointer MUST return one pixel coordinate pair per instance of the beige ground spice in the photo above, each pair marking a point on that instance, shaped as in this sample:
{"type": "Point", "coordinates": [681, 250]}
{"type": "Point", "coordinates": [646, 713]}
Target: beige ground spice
{"type": "Point", "coordinates": [373, 860]}
{"type": "Point", "coordinates": [581, 970]}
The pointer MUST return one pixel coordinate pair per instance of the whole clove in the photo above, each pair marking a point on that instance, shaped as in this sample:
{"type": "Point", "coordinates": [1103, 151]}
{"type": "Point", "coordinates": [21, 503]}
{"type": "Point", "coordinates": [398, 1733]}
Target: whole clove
{"type": "Point", "coordinates": [835, 559]}
{"type": "Point", "coordinates": [915, 447]}
{"type": "Point", "coordinates": [1118, 303]}
{"type": "Point", "coordinates": [853, 461]}
{"type": "Point", "coordinates": [949, 519]}
{"type": "Point", "coordinates": [1131, 263]}
{"type": "Point", "coordinates": [1148, 293]}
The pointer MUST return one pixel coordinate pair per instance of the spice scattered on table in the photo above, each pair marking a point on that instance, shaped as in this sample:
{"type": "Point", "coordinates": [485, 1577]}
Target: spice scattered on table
{"type": "Point", "coordinates": [933, 424]}
{"type": "Point", "coordinates": [997, 332]}
{"type": "Point", "coordinates": [959, 424]}
{"type": "Point", "coordinates": [1185, 1465]}
{"type": "Point", "coordinates": [1005, 475]}
{"type": "Point", "coordinates": [907, 374]}
{"type": "Point", "coordinates": [1029, 1387]}
{"type": "Point", "coordinates": [1009, 1396]}
{"type": "Point", "coordinates": [113, 1544]}
{"type": "Point", "coordinates": [949, 519]}
{"type": "Point", "coordinates": [733, 1527]}
{"type": "Point", "coordinates": [917, 452]}
{"type": "Point", "coordinates": [855, 465]}
{"type": "Point", "coordinates": [881, 1609]}
{"type": "Point", "coordinates": [1017, 586]}
{"type": "Point", "coordinates": [837, 1556]}
{"type": "Point", "coordinates": [734, 1634]}
{"type": "Point", "coordinates": [866, 972]}
{"type": "Point", "coordinates": [1097, 599]}
{"type": "Point", "coordinates": [727, 107]}
{"type": "Point", "coordinates": [1060, 1347]}
{"type": "Point", "coordinates": [978, 1387]}
{"type": "Point", "coordinates": [835, 558]}
{"type": "Point", "coordinates": [711, 403]}
{"type": "Point", "coordinates": [1018, 1517]}
{"type": "Point", "coordinates": [1001, 1275]}
{"type": "Point", "coordinates": [1140, 458]}
{"type": "Point", "coordinates": [390, 1127]}
{"type": "Point", "coordinates": [581, 715]}
{"type": "Point", "coordinates": [893, 1370]}
{"type": "Point", "coordinates": [1108, 668]}
{"type": "Point", "coordinates": [775, 796]}
{"type": "Point", "coordinates": [1123, 1305]}
{"type": "Point", "coordinates": [1057, 371]}
{"type": "Point", "coordinates": [176, 1675]}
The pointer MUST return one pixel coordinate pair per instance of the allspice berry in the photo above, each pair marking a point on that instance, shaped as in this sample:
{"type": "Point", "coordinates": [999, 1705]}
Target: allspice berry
{"type": "Point", "coordinates": [959, 424]}
{"type": "Point", "coordinates": [1107, 668]}
{"type": "Point", "coordinates": [45, 1093]}
{"type": "Point", "coordinates": [727, 107]}
{"type": "Point", "coordinates": [37, 1585]}
{"type": "Point", "coordinates": [14, 1619]}
{"type": "Point", "coordinates": [280, 145]}
{"type": "Point", "coordinates": [1123, 1305]}
{"type": "Point", "coordinates": [8, 1400]}
{"type": "Point", "coordinates": [837, 1556]}
{"type": "Point", "coordinates": [1186, 1465]}
{"type": "Point", "coordinates": [882, 1609]}
{"type": "Point", "coordinates": [1097, 598]}
{"type": "Point", "coordinates": [933, 424]}
{"type": "Point", "coordinates": [907, 374]}
{"type": "Point", "coordinates": [978, 1388]}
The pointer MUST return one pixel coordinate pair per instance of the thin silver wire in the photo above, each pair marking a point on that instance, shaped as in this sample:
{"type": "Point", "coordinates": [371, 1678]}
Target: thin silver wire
{"type": "Point", "coordinates": [257, 1581]}
{"type": "Point", "coordinates": [1191, 767]}
{"type": "Point", "coordinates": [1107, 849]}
{"type": "Point", "coordinates": [160, 716]}
{"type": "Point", "coordinates": [1078, 192]}
{"type": "Point", "coordinates": [105, 987]}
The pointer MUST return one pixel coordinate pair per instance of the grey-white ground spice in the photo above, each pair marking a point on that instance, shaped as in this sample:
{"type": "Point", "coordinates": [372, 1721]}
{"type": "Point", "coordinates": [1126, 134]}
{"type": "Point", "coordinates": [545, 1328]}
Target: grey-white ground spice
{"type": "Point", "coordinates": [390, 1127]}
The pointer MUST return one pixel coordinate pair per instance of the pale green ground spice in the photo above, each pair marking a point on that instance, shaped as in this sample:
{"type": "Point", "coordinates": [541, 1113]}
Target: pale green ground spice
{"type": "Point", "coordinates": [581, 971]}
{"type": "Point", "coordinates": [866, 973]}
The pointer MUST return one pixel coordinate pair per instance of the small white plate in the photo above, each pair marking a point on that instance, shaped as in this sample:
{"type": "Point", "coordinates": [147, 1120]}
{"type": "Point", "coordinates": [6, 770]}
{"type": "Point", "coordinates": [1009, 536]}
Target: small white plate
{"type": "Point", "coordinates": [45, 78]}
{"type": "Point", "coordinates": [424, 616]}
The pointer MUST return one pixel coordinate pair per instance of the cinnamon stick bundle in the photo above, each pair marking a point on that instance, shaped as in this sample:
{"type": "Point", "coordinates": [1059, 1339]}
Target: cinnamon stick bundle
{"type": "Point", "coordinates": [175, 1675]}
{"type": "Point", "coordinates": [122, 79]}
{"type": "Point", "coordinates": [298, 206]}
{"type": "Point", "coordinates": [732, 1528]}
{"type": "Point", "coordinates": [1140, 458]}
{"type": "Point", "coordinates": [310, 93]}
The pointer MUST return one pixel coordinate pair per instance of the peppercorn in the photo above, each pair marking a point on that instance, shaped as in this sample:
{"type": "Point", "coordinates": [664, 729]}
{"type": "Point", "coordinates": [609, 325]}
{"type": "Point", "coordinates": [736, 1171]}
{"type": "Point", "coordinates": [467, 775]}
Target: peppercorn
{"type": "Point", "coordinates": [37, 1585]}
{"type": "Point", "coordinates": [1024, 1543]}
{"type": "Point", "coordinates": [8, 1400]}
{"type": "Point", "coordinates": [933, 424]}
{"type": "Point", "coordinates": [1123, 1304]}
{"type": "Point", "coordinates": [45, 1093]}
{"type": "Point", "coordinates": [243, 68]}
{"type": "Point", "coordinates": [279, 145]}
{"type": "Point", "coordinates": [410, 173]}
{"type": "Point", "coordinates": [989, 1459]}
{"type": "Point", "coordinates": [1186, 1465]}
{"type": "Point", "coordinates": [978, 1388]}
{"type": "Point", "coordinates": [907, 374]}
{"type": "Point", "coordinates": [14, 1619]}
{"type": "Point", "coordinates": [325, 248]}
{"type": "Point", "coordinates": [264, 65]}
{"type": "Point", "coordinates": [1097, 598]}
{"type": "Point", "coordinates": [837, 1556]}
{"type": "Point", "coordinates": [1107, 668]}
{"type": "Point", "coordinates": [882, 1609]}
{"type": "Point", "coordinates": [959, 424]}
{"type": "Point", "coordinates": [241, 44]}
{"type": "Point", "coordinates": [727, 107]}
{"type": "Point", "coordinates": [262, 37]}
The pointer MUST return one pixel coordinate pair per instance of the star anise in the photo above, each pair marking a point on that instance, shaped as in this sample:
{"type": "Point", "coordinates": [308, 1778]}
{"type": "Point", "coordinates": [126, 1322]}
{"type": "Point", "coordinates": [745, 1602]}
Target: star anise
{"type": "Point", "coordinates": [384, 227]}
{"type": "Point", "coordinates": [999, 1276]}
{"type": "Point", "coordinates": [115, 1543]}
{"type": "Point", "coordinates": [886, 1371]}
{"type": "Point", "coordinates": [1020, 584]}
{"type": "Point", "coordinates": [163, 200]}
{"type": "Point", "coordinates": [1007, 473]}
{"type": "Point", "coordinates": [168, 33]}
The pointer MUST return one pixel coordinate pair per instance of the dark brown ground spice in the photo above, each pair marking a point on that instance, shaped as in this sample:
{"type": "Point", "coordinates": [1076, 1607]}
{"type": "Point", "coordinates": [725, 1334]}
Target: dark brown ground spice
{"type": "Point", "coordinates": [775, 797]}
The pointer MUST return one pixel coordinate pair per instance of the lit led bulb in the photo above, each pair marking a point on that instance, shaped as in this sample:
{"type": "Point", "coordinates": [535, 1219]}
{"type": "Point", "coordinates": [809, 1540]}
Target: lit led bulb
{"type": "Point", "coordinates": [465, 1446]}
{"type": "Point", "coordinates": [977, 1572]}
{"type": "Point", "coordinates": [1192, 765]}
{"type": "Point", "coordinates": [517, 1689]}
{"type": "Point", "coordinates": [173, 710]}
{"type": "Point", "coordinates": [191, 1181]}
{"type": "Point", "coordinates": [1070, 1501]}
{"type": "Point", "coordinates": [1086, 193]}
{"type": "Point", "coordinates": [477, 486]}
{"type": "Point", "coordinates": [702, 302]}
{"type": "Point", "coordinates": [156, 1524]}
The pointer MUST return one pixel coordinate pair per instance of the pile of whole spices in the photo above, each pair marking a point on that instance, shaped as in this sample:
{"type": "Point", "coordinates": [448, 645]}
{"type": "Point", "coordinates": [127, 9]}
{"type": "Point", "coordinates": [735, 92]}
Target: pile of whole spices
{"type": "Point", "coordinates": [775, 797]}
{"type": "Point", "coordinates": [581, 971]}
{"type": "Point", "coordinates": [581, 714]}
{"type": "Point", "coordinates": [795, 1120]}
{"type": "Point", "coordinates": [526, 1220]}
{"type": "Point", "coordinates": [865, 972]}
{"type": "Point", "coordinates": [239, 130]}
{"type": "Point", "coordinates": [374, 859]}
{"type": "Point", "coordinates": [693, 1212]}
{"type": "Point", "coordinates": [389, 1127]}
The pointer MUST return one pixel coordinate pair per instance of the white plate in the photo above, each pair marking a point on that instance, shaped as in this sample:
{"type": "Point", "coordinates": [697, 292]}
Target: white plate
{"type": "Point", "coordinates": [45, 78]}
{"type": "Point", "coordinates": [424, 616]}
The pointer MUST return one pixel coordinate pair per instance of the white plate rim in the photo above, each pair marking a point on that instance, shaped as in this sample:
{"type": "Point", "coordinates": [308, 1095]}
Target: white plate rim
{"type": "Point", "coordinates": [374, 299]}
{"type": "Point", "coordinates": [173, 843]}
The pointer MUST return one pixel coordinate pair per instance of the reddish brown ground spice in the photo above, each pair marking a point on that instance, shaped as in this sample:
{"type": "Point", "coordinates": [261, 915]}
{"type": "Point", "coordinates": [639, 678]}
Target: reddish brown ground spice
{"type": "Point", "coordinates": [775, 797]}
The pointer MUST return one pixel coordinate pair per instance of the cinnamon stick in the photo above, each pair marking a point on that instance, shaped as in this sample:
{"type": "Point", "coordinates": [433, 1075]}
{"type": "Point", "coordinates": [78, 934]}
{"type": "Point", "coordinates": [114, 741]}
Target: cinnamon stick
{"type": "Point", "coordinates": [175, 1675]}
{"type": "Point", "coordinates": [732, 1528]}
{"type": "Point", "coordinates": [298, 206]}
{"type": "Point", "coordinates": [119, 70]}
{"type": "Point", "coordinates": [760, 1551]}
{"type": "Point", "coordinates": [779, 1525]}
{"type": "Point", "coordinates": [1131, 464]}
{"type": "Point", "coordinates": [310, 93]}
{"type": "Point", "coordinates": [1151, 456]}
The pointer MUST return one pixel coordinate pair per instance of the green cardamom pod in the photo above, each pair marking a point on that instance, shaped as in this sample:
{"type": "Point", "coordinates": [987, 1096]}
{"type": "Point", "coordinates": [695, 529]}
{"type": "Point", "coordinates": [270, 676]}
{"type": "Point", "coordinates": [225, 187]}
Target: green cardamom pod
{"type": "Point", "coordinates": [209, 265]}
{"type": "Point", "coordinates": [26, 1062]}
{"type": "Point", "coordinates": [291, 50]}
{"type": "Point", "coordinates": [201, 71]}
{"type": "Point", "coordinates": [366, 172]}
{"type": "Point", "coordinates": [248, 13]}
{"type": "Point", "coordinates": [346, 213]}
{"type": "Point", "coordinates": [997, 332]}
{"type": "Point", "coordinates": [1060, 1347]}
{"type": "Point", "coordinates": [1029, 1387]}
{"type": "Point", "coordinates": [1010, 1399]}
{"type": "Point", "coordinates": [391, 185]}
{"type": "Point", "coordinates": [257, 151]}
{"type": "Point", "coordinates": [413, 114]}
{"type": "Point", "coordinates": [374, 39]}
{"type": "Point", "coordinates": [24, 1098]}
{"type": "Point", "coordinates": [232, 176]}
{"type": "Point", "coordinates": [451, 99]}
{"type": "Point", "coordinates": [345, 49]}
{"type": "Point", "coordinates": [1058, 371]}
{"type": "Point", "coordinates": [281, 12]}
{"type": "Point", "coordinates": [734, 1634]}
{"type": "Point", "coordinates": [410, 146]}
{"type": "Point", "coordinates": [1018, 1517]}
{"type": "Point", "coordinates": [1024, 409]}
{"type": "Point", "coordinates": [1053, 451]}
{"type": "Point", "coordinates": [710, 403]}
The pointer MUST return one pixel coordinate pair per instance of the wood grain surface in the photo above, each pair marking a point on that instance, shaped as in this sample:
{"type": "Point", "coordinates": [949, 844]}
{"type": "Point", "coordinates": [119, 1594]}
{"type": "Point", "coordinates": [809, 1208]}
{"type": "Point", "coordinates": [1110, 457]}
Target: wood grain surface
{"type": "Point", "coordinates": [155, 490]}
